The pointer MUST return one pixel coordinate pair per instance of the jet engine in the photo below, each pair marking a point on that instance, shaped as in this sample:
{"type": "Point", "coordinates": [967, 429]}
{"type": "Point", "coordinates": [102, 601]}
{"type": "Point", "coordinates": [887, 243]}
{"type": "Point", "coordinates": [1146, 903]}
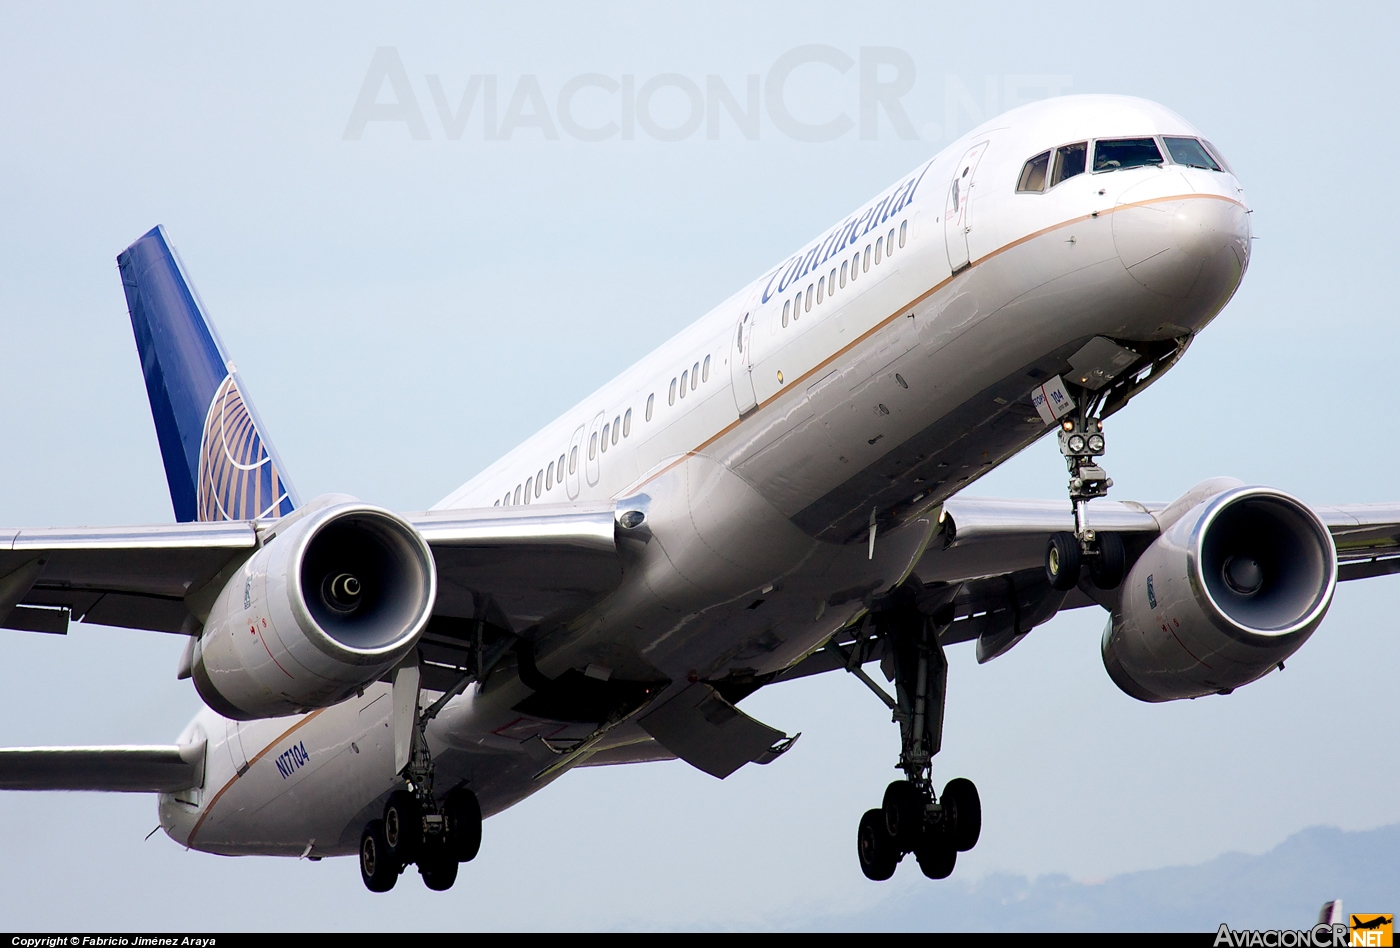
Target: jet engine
{"type": "Point", "coordinates": [1229, 590]}
{"type": "Point", "coordinates": [333, 601]}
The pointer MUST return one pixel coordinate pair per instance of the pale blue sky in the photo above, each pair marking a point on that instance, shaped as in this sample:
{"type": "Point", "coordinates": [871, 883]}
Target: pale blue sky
{"type": "Point", "coordinates": [404, 311]}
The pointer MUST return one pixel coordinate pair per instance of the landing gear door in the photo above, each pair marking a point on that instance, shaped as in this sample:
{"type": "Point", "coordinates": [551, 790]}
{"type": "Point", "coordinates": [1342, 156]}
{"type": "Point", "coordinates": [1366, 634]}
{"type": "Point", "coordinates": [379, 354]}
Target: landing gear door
{"type": "Point", "coordinates": [741, 365]}
{"type": "Point", "coordinates": [957, 210]}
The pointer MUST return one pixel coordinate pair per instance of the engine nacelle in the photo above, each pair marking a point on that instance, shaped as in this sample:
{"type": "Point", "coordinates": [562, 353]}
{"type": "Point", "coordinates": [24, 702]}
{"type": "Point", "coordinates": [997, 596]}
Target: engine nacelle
{"type": "Point", "coordinates": [1227, 592]}
{"type": "Point", "coordinates": [338, 597]}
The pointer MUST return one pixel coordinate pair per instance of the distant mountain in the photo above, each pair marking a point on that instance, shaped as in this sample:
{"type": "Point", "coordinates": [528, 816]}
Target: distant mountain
{"type": "Point", "coordinates": [1283, 888]}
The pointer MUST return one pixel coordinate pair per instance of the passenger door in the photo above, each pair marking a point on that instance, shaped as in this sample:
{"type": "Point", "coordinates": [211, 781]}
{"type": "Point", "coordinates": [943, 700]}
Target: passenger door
{"type": "Point", "coordinates": [957, 212]}
{"type": "Point", "coordinates": [741, 364]}
{"type": "Point", "coordinates": [575, 460]}
{"type": "Point", "coordinates": [591, 452]}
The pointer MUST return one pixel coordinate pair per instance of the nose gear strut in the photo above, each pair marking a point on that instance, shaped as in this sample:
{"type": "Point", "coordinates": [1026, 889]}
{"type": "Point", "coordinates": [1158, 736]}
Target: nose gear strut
{"type": "Point", "coordinates": [1082, 443]}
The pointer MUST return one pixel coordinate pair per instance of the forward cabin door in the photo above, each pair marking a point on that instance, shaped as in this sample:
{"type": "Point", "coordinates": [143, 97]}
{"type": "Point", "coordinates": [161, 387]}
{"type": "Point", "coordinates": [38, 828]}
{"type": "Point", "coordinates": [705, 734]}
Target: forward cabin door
{"type": "Point", "coordinates": [741, 364]}
{"type": "Point", "coordinates": [957, 211]}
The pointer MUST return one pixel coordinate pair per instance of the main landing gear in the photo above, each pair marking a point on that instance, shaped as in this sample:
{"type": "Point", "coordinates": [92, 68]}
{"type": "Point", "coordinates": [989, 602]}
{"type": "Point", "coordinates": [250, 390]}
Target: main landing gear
{"type": "Point", "coordinates": [435, 842]}
{"type": "Point", "coordinates": [912, 818]}
{"type": "Point", "coordinates": [1068, 554]}
{"type": "Point", "coordinates": [417, 828]}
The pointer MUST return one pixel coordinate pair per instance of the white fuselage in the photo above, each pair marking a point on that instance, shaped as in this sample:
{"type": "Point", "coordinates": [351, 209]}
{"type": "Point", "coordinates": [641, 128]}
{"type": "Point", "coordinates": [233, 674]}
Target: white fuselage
{"type": "Point", "coordinates": [766, 438]}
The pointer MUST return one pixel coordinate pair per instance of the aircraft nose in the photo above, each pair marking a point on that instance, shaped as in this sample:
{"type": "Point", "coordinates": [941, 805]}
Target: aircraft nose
{"type": "Point", "coordinates": [1181, 246]}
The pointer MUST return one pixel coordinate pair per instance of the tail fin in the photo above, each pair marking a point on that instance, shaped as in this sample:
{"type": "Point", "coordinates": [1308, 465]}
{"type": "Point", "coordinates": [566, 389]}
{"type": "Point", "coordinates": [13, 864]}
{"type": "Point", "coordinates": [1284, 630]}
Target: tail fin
{"type": "Point", "coordinates": [218, 462]}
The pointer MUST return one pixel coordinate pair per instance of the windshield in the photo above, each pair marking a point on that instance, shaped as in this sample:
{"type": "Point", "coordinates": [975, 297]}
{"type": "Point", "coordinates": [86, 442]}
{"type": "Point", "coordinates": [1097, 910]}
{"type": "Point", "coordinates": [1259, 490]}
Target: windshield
{"type": "Point", "coordinates": [1191, 153]}
{"type": "Point", "coordinates": [1122, 153]}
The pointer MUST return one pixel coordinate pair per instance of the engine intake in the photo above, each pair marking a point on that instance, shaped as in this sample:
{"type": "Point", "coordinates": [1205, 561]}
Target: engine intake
{"type": "Point", "coordinates": [1229, 590]}
{"type": "Point", "coordinates": [337, 598]}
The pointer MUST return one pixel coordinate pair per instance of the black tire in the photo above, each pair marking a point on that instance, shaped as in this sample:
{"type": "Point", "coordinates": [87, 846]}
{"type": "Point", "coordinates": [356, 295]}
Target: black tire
{"type": "Point", "coordinates": [463, 815]}
{"type": "Point", "coordinates": [1062, 561]}
{"type": "Point", "coordinates": [377, 868]}
{"type": "Point", "coordinates": [1106, 569]}
{"type": "Point", "coordinates": [878, 853]}
{"type": "Point", "coordinates": [936, 856]}
{"type": "Point", "coordinates": [962, 809]}
{"type": "Point", "coordinates": [403, 827]}
{"type": "Point", "coordinates": [904, 814]}
{"type": "Point", "coordinates": [438, 868]}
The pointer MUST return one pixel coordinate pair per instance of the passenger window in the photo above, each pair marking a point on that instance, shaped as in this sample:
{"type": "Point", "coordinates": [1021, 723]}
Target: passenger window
{"type": "Point", "coordinates": [606, 429]}
{"type": "Point", "coordinates": [1032, 176]}
{"type": "Point", "coordinates": [705, 373]}
{"type": "Point", "coordinates": [573, 459]}
{"type": "Point", "coordinates": [651, 401]}
{"type": "Point", "coordinates": [671, 399]}
{"type": "Point", "coordinates": [866, 265]}
{"type": "Point", "coordinates": [593, 446]}
{"type": "Point", "coordinates": [529, 482]}
{"type": "Point", "coordinates": [1189, 152]}
{"type": "Point", "coordinates": [844, 264]}
{"type": "Point", "coordinates": [517, 493]}
{"type": "Point", "coordinates": [808, 307]}
{"type": "Point", "coordinates": [1124, 153]}
{"type": "Point", "coordinates": [505, 501]}
{"type": "Point", "coordinates": [685, 377]}
{"type": "Point", "coordinates": [694, 376]}
{"type": "Point", "coordinates": [1069, 161]}
{"type": "Point", "coordinates": [627, 423]}
{"type": "Point", "coordinates": [889, 243]}
{"type": "Point", "coordinates": [855, 266]}
{"type": "Point", "coordinates": [539, 482]}
{"type": "Point", "coordinates": [821, 288]}
{"type": "Point", "coordinates": [787, 309]}
{"type": "Point", "coordinates": [903, 227]}
{"type": "Point", "coordinates": [796, 306]}
{"type": "Point", "coordinates": [617, 429]}
{"type": "Point", "coordinates": [549, 477]}
{"type": "Point", "coordinates": [878, 246]}
{"type": "Point", "coordinates": [496, 504]}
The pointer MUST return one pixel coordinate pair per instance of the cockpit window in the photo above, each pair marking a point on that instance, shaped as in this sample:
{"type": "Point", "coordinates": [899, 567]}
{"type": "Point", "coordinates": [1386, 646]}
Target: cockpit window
{"type": "Point", "coordinates": [1191, 153]}
{"type": "Point", "coordinates": [1117, 154]}
{"type": "Point", "coordinates": [1069, 161]}
{"type": "Point", "coordinates": [1219, 158]}
{"type": "Point", "coordinates": [1034, 173]}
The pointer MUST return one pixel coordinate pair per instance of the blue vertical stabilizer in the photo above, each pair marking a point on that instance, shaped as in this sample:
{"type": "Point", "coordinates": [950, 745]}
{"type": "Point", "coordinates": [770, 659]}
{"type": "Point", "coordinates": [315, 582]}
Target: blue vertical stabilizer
{"type": "Point", "coordinates": [218, 463]}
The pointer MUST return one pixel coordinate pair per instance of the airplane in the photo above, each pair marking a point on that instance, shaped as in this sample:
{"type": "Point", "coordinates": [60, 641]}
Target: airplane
{"type": "Point", "coordinates": [775, 492]}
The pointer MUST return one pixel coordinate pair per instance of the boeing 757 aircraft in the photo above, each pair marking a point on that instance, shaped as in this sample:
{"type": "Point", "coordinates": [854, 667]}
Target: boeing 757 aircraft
{"type": "Point", "coordinates": [773, 493]}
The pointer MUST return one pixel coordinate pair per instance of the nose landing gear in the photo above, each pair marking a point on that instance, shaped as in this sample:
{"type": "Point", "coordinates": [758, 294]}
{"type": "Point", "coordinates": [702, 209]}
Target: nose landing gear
{"type": "Point", "coordinates": [1067, 554]}
{"type": "Point", "coordinates": [912, 818]}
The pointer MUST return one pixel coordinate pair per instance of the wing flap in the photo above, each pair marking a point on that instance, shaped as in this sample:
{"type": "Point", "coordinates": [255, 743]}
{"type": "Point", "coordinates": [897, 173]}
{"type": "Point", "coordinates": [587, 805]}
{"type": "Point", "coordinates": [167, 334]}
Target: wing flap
{"type": "Point", "coordinates": [119, 769]}
{"type": "Point", "coordinates": [703, 729]}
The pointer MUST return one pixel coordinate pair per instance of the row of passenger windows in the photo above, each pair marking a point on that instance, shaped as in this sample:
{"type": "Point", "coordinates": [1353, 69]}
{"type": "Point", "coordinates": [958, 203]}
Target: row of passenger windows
{"type": "Point", "coordinates": [1038, 174]}
{"type": "Point", "coordinates": [827, 284]}
{"type": "Point", "coordinates": [613, 431]}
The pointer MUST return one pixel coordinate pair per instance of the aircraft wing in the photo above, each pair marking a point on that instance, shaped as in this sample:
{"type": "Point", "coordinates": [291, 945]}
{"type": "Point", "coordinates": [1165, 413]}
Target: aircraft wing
{"type": "Point", "coordinates": [131, 769]}
{"type": "Point", "coordinates": [985, 568]}
{"type": "Point", "coordinates": [515, 565]}
{"type": "Point", "coordinates": [1367, 538]}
